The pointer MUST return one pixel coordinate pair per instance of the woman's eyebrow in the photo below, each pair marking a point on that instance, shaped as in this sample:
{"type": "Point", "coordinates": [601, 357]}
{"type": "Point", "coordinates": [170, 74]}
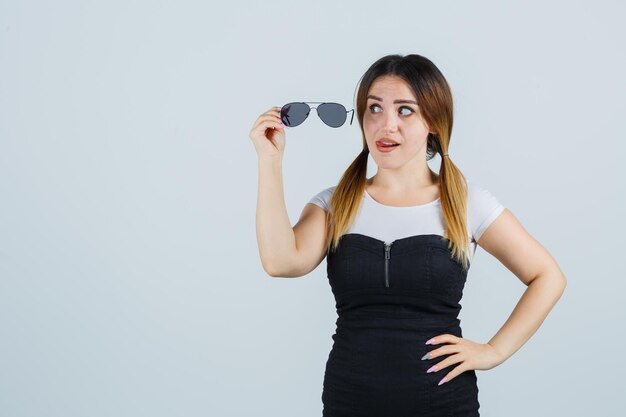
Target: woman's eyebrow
{"type": "Point", "coordinates": [395, 101]}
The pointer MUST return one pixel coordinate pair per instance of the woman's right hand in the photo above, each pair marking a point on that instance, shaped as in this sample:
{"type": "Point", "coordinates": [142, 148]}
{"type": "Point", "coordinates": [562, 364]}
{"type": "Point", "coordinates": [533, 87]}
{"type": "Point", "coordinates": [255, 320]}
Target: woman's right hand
{"type": "Point", "coordinates": [268, 133]}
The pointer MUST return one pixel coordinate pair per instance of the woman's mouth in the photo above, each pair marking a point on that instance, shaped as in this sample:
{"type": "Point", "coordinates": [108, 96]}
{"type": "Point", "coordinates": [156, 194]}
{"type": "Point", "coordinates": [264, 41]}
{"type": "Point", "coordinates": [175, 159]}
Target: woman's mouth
{"type": "Point", "coordinates": [386, 146]}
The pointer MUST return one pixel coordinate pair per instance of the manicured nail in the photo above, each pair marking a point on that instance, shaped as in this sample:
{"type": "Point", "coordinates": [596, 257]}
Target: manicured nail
{"type": "Point", "coordinates": [432, 369]}
{"type": "Point", "coordinates": [443, 381]}
{"type": "Point", "coordinates": [426, 356]}
{"type": "Point", "coordinates": [429, 342]}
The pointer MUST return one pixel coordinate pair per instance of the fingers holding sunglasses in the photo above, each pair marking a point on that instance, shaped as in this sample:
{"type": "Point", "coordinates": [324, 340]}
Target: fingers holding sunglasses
{"type": "Point", "coordinates": [268, 134]}
{"type": "Point", "coordinates": [275, 113]}
{"type": "Point", "coordinates": [265, 122]}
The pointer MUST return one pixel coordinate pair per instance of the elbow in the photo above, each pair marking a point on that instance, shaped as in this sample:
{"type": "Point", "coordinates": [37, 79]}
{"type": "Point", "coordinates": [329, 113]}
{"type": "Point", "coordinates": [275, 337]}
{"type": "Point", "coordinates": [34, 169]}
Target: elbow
{"type": "Point", "coordinates": [270, 270]}
{"type": "Point", "coordinates": [273, 271]}
{"type": "Point", "coordinates": [562, 281]}
{"type": "Point", "coordinates": [269, 266]}
{"type": "Point", "coordinates": [561, 285]}
{"type": "Point", "coordinates": [551, 281]}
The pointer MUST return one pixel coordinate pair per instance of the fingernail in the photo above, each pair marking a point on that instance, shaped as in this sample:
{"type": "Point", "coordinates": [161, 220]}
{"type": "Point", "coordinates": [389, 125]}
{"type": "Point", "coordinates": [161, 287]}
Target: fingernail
{"type": "Point", "coordinates": [429, 341]}
{"type": "Point", "coordinates": [426, 356]}
{"type": "Point", "coordinates": [443, 381]}
{"type": "Point", "coordinates": [432, 369]}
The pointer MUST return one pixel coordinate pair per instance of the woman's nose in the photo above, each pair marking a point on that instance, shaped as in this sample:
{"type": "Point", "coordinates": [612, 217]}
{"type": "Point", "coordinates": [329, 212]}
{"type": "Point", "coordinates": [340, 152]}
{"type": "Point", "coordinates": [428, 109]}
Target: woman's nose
{"type": "Point", "coordinates": [391, 124]}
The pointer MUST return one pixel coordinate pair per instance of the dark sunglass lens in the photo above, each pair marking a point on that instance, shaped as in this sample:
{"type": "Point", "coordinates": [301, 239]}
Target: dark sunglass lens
{"type": "Point", "coordinates": [293, 114]}
{"type": "Point", "coordinates": [333, 114]}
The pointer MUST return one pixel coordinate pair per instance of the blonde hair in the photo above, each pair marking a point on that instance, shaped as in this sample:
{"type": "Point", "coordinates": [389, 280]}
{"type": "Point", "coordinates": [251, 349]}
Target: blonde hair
{"type": "Point", "coordinates": [434, 99]}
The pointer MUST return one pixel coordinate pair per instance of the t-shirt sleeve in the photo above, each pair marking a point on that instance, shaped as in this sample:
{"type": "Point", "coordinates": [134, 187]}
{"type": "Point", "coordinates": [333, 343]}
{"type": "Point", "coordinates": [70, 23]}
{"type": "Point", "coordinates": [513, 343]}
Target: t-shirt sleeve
{"type": "Point", "coordinates": [483, 209]}
{"type": "Point", "coordinates": [322, 198]}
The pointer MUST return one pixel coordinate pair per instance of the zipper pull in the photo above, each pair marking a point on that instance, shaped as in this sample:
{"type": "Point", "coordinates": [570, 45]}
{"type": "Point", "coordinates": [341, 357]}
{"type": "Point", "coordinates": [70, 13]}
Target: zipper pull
{"type": "Point", "coordinates": [388, 248]}
{"type": "Point", "coordinates": [387, 257]}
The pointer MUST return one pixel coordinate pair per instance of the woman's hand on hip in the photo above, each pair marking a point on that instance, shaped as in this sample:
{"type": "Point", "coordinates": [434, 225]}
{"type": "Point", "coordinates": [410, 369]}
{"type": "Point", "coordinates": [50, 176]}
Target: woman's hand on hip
{"type": "Point", "coordinates": [468, 354]}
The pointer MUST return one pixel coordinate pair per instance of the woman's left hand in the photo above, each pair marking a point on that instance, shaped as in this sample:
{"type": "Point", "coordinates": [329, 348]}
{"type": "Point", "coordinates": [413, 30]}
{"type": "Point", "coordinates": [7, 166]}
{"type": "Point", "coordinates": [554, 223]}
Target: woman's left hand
{"type": "Point", "coordinates": [470, 354]}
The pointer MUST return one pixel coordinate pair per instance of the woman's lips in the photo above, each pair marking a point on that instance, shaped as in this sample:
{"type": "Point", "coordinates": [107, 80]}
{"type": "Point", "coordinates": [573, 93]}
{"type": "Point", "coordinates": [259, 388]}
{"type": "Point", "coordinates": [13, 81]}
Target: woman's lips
{"type": "Point", "coordinates": [383, 148]}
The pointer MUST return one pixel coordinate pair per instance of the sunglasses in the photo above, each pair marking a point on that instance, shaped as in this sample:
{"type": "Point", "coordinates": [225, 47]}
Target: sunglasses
{"type": "Point", "coordinates": [333, 114]}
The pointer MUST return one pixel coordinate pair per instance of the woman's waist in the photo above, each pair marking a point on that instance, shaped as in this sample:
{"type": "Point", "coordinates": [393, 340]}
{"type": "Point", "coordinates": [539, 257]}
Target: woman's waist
{"type": "Point", "coordinates": [429, 309]}
{"type": "Point", "coordinates": [397, 318]}
{"type": "Point", "coordinates": [377, 329]}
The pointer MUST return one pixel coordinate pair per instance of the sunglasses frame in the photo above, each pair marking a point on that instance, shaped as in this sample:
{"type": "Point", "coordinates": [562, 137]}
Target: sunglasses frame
{"type": "Point", "coordinates": [318, 115]}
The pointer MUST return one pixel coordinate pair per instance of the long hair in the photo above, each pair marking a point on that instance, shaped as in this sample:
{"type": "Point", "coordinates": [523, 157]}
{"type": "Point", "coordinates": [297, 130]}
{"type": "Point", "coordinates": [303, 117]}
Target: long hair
{"type": "Point", "coordinates": [434, 99]}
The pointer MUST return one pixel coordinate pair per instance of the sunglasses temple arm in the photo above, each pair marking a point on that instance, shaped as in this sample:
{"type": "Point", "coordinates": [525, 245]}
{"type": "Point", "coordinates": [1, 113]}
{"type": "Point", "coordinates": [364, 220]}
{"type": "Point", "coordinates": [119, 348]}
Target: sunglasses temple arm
{"type": "Point", "coordinates": [352, 117]}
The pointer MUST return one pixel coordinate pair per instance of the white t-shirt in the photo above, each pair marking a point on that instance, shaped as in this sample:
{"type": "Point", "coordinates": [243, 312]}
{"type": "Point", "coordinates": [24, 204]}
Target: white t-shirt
{"type": "Point", "coordinates": [389, 223]}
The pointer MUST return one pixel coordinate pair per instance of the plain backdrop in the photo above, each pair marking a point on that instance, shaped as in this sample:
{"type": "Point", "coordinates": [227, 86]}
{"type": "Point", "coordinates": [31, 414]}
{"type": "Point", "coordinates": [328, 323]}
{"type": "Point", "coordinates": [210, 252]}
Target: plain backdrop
{"type": "Point", "coordinates": [130, 277]}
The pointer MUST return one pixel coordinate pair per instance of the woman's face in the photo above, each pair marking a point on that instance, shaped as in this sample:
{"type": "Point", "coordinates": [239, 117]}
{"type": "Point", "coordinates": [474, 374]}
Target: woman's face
{"type": "Point", "coordinates": [400, 122]}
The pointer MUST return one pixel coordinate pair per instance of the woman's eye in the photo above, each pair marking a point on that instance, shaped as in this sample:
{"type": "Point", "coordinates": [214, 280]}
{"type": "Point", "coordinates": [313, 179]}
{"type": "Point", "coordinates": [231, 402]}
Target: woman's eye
{"type": "Point", "coordinates": [373, 106]}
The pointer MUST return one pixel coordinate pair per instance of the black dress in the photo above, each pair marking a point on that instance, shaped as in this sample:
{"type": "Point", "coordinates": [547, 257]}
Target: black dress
{"type": "Point", "coordinates": [390, 299]}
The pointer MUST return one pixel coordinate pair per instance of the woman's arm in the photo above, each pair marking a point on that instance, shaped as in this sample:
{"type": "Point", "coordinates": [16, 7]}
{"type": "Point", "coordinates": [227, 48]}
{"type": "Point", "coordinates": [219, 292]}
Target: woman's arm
{"type": "Point", "coordinates": [275, 236]}
{"type": "Point", "coordinates": [508, 241]}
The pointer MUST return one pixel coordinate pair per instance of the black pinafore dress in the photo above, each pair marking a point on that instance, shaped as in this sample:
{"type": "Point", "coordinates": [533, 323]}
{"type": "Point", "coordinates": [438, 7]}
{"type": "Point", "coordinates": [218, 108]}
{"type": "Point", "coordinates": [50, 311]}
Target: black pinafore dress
{"type": "Point", "coordinates": [390, 299]}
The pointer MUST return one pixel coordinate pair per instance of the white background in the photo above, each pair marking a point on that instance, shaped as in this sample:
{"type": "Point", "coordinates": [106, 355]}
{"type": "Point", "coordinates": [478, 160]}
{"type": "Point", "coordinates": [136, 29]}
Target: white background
{"type": "Point", "coordinates": [130, 279]}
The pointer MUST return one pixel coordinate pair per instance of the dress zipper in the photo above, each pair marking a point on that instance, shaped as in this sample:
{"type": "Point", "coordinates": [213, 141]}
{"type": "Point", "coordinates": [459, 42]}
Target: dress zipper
{"type": "Point", "coordinates": [387, 256]}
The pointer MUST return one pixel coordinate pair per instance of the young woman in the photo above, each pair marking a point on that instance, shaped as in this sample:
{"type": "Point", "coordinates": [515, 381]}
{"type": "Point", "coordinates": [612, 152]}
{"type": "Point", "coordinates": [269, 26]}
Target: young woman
{"type": "Point", "coordinates": [398, 249]}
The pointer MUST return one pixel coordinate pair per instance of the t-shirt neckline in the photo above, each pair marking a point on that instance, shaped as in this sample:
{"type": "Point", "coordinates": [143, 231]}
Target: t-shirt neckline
{"type": "Point", "coordinates": [430, 203]}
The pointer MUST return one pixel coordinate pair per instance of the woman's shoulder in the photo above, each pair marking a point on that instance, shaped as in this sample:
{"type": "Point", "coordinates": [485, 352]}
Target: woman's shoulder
{"type": "Point", "coordinates": [477, 193]}
{"type": "Point", "coordinates": [483, 207]}
{"type": "Point", "coordinates": [322, 198]}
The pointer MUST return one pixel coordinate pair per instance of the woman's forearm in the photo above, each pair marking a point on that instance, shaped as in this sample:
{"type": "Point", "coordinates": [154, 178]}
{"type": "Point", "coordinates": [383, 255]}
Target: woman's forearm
{"type": "Point", "coordinates": [529, 313]}
{"type": "Point", "coordinates": [275, 235]}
